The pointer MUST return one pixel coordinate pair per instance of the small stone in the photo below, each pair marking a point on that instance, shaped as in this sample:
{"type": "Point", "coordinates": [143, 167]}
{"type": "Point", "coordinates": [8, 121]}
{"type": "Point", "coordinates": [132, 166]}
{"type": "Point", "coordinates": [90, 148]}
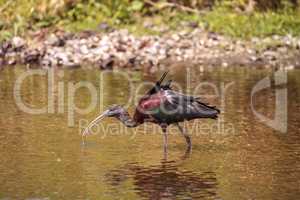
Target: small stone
{"type": "Point", "coordinates": [283, 49]}
{"type": "Point", "coordinates": [201, 69]}
{"type": "Point", "coordinates": [160, 29]}
{"type": "Point", "coordinates": [46, 63]}
{"type": "Point", "coordinates": [253, 58]}
{"type": "Point", "coordinates": [213, 36]}
{"type": "Point", "coordinates": [276, 37]}
{"type": "Point", "coordinates": [84, 49]}
{"type": "Point", "coordinates": [271, 55]}
{"type": "Point", "coordinates": [104, 26]}
{"type": "Point", "coordinates": [290, 67]}
{"type": "Point", "coordinates": [224, 64]}
{"type": "Point", "coordinates": [108, 63]}
{"type": "Point", "coordinates": [11, 61]}
{"type": "Point", "coordinates": [176, 37]}
{"type": "Point", "coordinates": [2, 53]}
{"type": "Point", "coordinates": [18, 43]}
{"type": "Point", "coordinates": [148, 23]}
{"type": "Point", "coordinates": [250, 51]}
{"type": "Point", "coordinates": [193, 24]}
{"type": "Point", "coordinates": [32, 56]}
{"type": "Point", "coordinates": [54, 40]}
{"type": "Point", "coordinates": [6, 46]}
{"type": "Point", "coordinates": [132, 60]}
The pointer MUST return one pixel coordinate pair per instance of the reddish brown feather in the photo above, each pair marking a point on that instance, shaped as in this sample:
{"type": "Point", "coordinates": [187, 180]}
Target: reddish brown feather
{"type": "Point", "coordinates": [152, 101]}
{"type": "Point", "coordinates": [148, 103]}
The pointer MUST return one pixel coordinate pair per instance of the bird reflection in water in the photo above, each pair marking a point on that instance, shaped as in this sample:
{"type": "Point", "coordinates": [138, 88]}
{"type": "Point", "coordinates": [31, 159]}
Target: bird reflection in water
{"type": "Point", "coordinates": [165, 181]}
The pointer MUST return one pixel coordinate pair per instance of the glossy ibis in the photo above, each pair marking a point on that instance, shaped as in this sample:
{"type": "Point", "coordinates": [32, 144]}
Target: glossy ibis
{"type": "Point", "coordinates": [163, 106]}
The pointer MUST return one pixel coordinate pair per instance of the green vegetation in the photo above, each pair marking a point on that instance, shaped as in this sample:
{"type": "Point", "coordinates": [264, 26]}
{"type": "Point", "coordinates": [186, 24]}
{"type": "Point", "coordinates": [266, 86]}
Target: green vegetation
{"type": "Point", "coordinates": [256, 24]}
{"type": "Point", "coordinates": [238, 18]}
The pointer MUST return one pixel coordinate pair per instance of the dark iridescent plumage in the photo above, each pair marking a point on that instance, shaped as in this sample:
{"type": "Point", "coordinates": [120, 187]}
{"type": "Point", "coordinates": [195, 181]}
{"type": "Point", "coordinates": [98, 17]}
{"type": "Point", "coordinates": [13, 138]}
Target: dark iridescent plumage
{"type": "Point", "coordinates": [163, 106]}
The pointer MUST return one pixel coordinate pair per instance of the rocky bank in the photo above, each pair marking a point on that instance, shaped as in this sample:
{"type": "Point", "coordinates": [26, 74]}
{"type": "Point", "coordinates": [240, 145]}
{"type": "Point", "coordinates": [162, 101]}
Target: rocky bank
{"type": "Point", "coordinates": [120, 49]}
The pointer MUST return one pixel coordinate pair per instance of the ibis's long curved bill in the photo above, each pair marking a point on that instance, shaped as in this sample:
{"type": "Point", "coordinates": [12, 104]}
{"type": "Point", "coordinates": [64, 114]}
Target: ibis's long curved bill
{"type": "Point", "coordinates": [94, 122]}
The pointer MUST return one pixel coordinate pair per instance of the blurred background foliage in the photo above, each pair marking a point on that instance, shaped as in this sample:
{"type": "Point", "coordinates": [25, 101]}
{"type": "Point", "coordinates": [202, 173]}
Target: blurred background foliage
{"type": "Point", "coordinates": [241, 18]}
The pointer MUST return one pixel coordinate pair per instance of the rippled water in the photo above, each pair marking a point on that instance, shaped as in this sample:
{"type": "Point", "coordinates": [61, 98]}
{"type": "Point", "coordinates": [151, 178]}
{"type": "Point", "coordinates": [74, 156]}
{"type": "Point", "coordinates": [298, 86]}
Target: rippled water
{"type": "Point", "coordinates": [43, 158]}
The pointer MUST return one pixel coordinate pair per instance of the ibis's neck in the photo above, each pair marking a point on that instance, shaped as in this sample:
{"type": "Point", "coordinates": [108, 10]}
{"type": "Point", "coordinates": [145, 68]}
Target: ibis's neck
{"type": "Point", "coordinates": [127, 120]}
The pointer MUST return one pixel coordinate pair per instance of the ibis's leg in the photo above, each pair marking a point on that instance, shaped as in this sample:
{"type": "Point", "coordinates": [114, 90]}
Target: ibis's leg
{"type": "Point", "coordinates": [164, 130]}
{"type": "Point", "coordinates": [185, 135]}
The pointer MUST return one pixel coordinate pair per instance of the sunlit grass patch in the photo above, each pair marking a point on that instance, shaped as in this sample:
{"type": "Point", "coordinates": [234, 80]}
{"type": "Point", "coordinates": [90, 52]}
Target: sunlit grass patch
{"type": "Point", "coordinates": [17, 17]}
{"type": "Point", "coordinates": [258, 24]}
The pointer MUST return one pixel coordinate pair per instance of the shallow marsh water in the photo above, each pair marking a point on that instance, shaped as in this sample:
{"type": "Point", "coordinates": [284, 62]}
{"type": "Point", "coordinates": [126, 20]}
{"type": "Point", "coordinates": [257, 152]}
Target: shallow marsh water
{"type": "Point", "coordinates": [242, 158]}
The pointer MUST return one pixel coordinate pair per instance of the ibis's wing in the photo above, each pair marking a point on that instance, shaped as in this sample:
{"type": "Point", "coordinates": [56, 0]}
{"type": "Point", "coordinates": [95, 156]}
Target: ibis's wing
{"type": "Point", "coordinates": [175, 107]}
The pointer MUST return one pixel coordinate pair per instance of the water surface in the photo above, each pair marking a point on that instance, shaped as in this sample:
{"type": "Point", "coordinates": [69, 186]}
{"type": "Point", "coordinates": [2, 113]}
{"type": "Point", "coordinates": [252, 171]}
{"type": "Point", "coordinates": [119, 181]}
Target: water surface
{"type": "Point", "coordinates": [43, 158]}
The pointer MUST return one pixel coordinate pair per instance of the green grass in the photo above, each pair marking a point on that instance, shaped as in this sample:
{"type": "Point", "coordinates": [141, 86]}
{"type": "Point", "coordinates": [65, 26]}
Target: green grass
{"type": "Point", "coordinates": [257, 24]}
{"type": "Point", "coordinates": [17, 17]}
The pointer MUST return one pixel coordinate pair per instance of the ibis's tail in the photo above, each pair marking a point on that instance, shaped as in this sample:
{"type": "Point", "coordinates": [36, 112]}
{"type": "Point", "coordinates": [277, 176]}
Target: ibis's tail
{"type": "Point", "coordinates": [206, 111]}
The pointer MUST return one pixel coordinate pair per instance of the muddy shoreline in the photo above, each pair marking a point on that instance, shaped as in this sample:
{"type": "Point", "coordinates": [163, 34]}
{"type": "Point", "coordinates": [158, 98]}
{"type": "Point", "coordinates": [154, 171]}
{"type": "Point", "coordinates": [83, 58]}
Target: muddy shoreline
{"type": "Point", "coordinates": [120, 49]}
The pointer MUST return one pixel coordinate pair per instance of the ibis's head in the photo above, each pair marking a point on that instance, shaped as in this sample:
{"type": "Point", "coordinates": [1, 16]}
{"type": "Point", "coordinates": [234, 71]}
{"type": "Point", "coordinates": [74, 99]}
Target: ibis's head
{"type": "Point", "coordinates": [113, 111]}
